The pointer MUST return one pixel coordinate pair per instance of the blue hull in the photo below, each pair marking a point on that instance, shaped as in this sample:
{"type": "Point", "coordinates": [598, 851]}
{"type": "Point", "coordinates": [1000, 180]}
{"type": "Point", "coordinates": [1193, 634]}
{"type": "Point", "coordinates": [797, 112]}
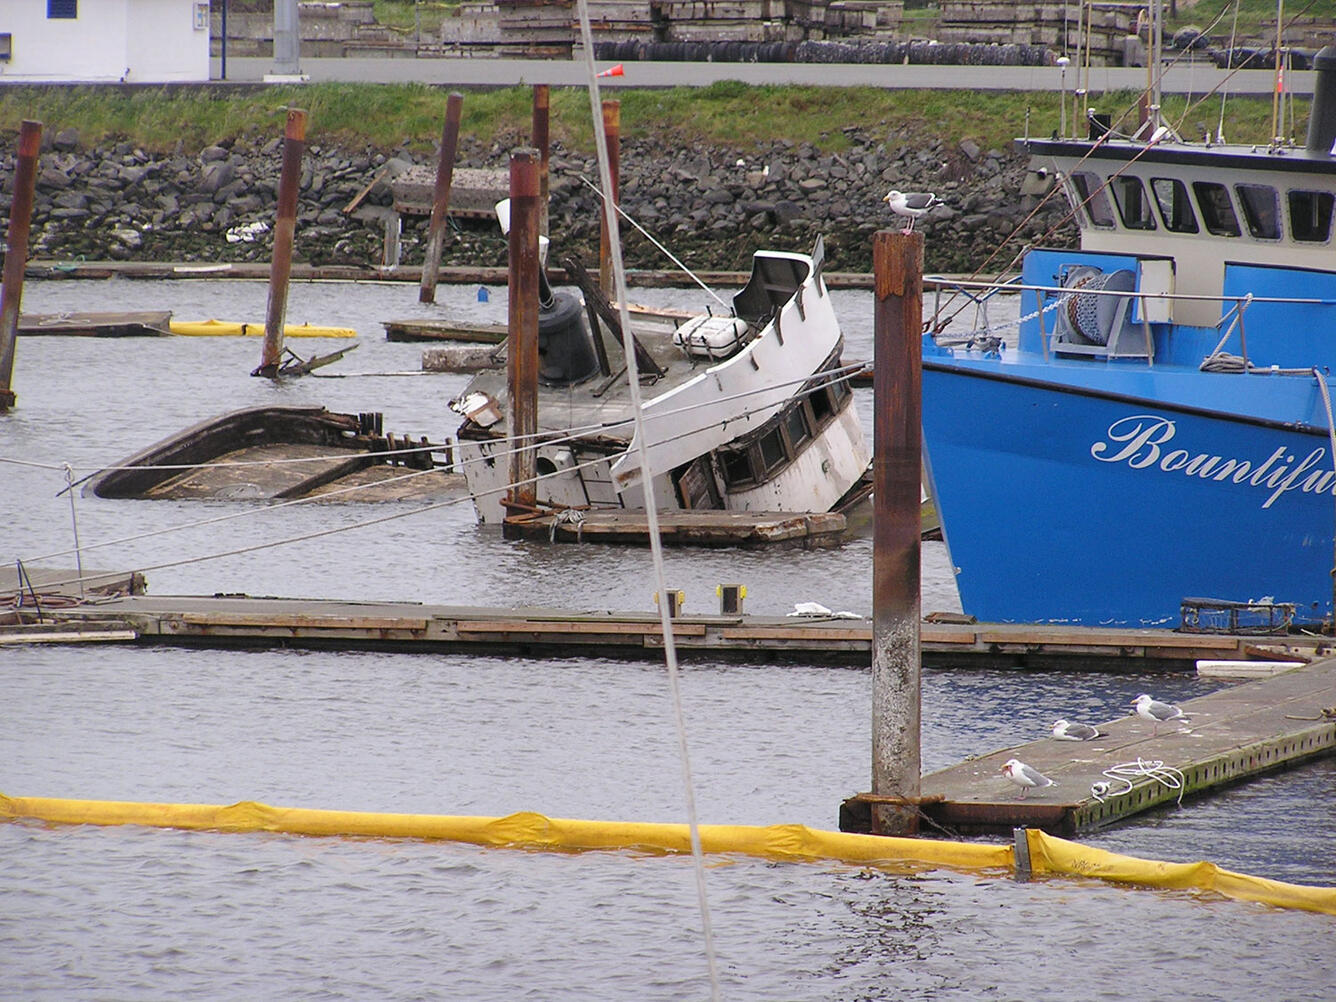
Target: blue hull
{"type": "Point", "coordinates": [1103, 496]}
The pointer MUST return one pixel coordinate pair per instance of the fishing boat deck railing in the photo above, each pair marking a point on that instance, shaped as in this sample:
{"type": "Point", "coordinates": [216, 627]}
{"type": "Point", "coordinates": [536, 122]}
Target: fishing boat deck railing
{"type": "Point", "coordinates": [1214, 615]}
{"type": "Point", "coordinates": [987, 335]}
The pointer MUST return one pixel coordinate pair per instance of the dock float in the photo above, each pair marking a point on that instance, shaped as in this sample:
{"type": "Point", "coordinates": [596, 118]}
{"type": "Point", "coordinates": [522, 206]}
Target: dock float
{"type": "Point", "coordinates": [694, 527]}
{"type": "Point", "coordinates": [444, 330]}
{"type": "Point", "coordinates": [543, 632]}
{"type": "Point", "coordinates": [1239, 732]}
{"type": "Point", "coordinates": [144, 323]}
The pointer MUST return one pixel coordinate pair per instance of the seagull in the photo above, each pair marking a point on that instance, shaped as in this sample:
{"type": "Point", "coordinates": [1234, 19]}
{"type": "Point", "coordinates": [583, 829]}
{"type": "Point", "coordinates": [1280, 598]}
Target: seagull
{"type": "Point", "coordinates": [1153, 710]}
{"type": "Point", "coordinates": [911, 204]}
{"type": "Point", "coordinates": [1065, 730]}
{"type": "Point", "coordinates": [1025, 776]}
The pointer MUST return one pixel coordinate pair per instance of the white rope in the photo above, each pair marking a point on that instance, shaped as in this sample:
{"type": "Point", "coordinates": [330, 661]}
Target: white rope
{"type": "Point", "coordinates": [651, 511]}
{"type": "Point", "coordinates": [1121, 779]}
{"type": "Point", "coordinates": [648, 236]}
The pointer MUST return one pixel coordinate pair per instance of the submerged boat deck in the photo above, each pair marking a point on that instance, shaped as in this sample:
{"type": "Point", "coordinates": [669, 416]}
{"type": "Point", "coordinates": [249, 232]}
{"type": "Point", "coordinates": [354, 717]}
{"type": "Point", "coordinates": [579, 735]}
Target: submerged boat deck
{"type": "Point", "coordinates": [1241, 731]}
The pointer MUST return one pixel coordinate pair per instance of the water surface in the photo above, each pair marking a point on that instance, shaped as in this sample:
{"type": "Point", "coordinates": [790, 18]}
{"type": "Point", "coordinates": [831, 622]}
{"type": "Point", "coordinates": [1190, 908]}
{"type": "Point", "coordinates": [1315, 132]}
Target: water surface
{"type": "Point", "coordinates": [135, 913]}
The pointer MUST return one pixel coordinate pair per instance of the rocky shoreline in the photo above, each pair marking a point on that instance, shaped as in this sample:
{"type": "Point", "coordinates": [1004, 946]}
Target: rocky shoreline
{"type": "Point", "coordinates": [711, 207]}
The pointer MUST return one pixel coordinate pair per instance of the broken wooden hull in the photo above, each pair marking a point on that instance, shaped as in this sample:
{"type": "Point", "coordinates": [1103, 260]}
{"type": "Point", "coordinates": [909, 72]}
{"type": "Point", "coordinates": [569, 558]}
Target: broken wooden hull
{"type": "Point", "coordinates": [273, 452]}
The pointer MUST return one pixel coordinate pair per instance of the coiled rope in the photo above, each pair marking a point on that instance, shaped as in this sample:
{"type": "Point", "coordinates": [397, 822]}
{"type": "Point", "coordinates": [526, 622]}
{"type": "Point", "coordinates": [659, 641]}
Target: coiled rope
{"type": "Point", "coordinates": [1121, 779]}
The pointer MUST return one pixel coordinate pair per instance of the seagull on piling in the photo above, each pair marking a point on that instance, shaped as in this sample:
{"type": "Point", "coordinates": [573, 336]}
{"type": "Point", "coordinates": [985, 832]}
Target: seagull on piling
{"type": "Point", "coordinates": [1150, 708]}
{"type": "Point", "coordinates": [1065, 730]}
{"type": "Point", "coordinates": [1025, 776]}
{"type": "Point", "coordinates": [911, 204]}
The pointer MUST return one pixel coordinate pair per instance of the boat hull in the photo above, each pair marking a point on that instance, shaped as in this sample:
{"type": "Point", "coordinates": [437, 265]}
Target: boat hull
{"type": "Point", "coordinates": [1066, 504]}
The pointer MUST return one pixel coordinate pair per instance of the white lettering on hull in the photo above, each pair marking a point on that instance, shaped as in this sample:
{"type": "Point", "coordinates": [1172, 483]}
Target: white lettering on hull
{"type": "Point", "coordinates": [1141, 441]}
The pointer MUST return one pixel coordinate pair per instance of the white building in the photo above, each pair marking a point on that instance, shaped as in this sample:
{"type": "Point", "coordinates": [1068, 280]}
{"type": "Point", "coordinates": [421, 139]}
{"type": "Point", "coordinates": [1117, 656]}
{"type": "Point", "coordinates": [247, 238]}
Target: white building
{"type": "Point", "coordinates": [102, 41]}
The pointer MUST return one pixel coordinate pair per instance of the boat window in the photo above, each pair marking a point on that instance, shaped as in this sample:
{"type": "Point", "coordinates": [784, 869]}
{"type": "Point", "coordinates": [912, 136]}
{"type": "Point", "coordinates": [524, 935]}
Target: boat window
{"type": "Point", "coordinates": [1090, 193]}
{"type": "Point", "coordinates": [823, 409]}
{"type": "Point", "coordinates": [772, 449]}
{"type": "Point", "coordinates": [736, 466]}
{"type": "Point", "coordinates": [839, 389]}
{"type": "Point", "coordinates": [1217, 211]}
{"type": "Point", "coordinates": [795, 422]}
{"type": "Point", "coordinates": [1175, 207]}
{"type": "Point", "coordinates": [1310, 215]}
{"type": "Point", "coordinates": [1261, 209]}
{"type": "Point", "coordinates": [1133, 205]}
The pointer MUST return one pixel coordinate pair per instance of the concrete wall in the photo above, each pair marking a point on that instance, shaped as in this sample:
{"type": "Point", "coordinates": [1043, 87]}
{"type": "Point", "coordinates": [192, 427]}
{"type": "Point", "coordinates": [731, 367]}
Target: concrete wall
{"type": "Point", "coordinates": [138, 41]}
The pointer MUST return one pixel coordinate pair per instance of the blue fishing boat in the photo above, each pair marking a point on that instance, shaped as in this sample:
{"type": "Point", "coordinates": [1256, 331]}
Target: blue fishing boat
{"type": "Point", "coordinates": [1159, 439]}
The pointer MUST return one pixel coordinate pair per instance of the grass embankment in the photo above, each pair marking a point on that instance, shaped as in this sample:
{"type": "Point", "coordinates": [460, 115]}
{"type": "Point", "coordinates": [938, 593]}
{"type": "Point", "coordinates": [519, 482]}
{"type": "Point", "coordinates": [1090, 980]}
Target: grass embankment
{"type": "Point", "coordinates": [726, 114]}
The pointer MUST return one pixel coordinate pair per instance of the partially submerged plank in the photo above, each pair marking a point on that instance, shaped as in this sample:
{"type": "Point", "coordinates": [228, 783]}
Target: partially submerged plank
{"type": "Point", "coordinates": [444, 330]}
{"type": "Point", "coordinates": [144, 323]}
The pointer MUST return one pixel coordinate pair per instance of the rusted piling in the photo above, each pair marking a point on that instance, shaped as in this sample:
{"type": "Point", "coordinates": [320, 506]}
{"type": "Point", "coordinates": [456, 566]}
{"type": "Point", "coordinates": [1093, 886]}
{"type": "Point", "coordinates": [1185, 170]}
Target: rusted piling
{"type": "Point", "coordinates": [897, 262]}
{"type": "Point", "coordinates": [542, 143]}
{"type": "Point", "coordinates": [16, 254]}
{"type": "Point", "coordinates": [612, 126]}
{"type": "Point", "coordinates": [440, 199]}
{"type": "Point", "coordinates": [285, 226]}
{"type": "Point", "coordinates": [522, 365]}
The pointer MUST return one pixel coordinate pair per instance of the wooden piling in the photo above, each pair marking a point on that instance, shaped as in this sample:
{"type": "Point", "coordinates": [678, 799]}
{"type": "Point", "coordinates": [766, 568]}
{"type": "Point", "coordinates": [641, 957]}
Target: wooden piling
{"type": "Point", "coordinates": [16, 254]}
{"type": "Point", "coordinates": [522, 364]}
{"type": "Point", "coordinates": [440, 201]}
{"type": "Point", "coordinates": [285, 227]}
{"type": "Point", "coordinates": [612, 126]}
{"type": "Point", "coordinates": [542, 143]}
{"type": "Point", "coordinates": [897, 261]}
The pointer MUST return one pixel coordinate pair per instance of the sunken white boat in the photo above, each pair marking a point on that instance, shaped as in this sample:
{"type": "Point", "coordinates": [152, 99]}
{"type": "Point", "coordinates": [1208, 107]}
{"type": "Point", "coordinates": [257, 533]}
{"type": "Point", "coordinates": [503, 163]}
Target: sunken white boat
{"type": "Point", "coordinates": [746, 411]}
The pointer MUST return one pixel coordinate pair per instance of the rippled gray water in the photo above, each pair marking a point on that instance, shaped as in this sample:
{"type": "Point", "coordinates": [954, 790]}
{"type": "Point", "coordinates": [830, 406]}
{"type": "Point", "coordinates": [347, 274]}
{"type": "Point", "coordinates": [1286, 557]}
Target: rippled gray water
{"type": "Point", "coordinates": [134, 913]}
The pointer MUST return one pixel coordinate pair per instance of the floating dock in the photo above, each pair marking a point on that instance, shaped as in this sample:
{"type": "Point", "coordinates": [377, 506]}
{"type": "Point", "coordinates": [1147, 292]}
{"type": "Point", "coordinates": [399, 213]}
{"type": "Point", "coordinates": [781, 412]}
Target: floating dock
{"type": "Point", "coordinates": [147, 323]}
{"type": "Point", "coordinates": [556, 633]}
{"type": "Point", "coordinates": [444, 330]}
{"type": "Point", "coordinates": [1242, 731]}
{"type": "Point", "coordinates": [747, 529]}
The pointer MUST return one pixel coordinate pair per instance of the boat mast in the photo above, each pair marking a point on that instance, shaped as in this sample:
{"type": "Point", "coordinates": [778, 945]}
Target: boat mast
{"type": "Point", "coordinates": [1277, 102]}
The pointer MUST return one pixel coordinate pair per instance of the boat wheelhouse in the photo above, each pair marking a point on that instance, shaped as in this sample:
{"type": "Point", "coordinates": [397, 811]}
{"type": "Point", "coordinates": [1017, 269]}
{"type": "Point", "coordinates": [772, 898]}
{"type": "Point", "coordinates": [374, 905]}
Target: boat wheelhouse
{"type": "Point", "coordinates": [1159, 440]}
{"type": "Point", "coordinates": [746, 412]}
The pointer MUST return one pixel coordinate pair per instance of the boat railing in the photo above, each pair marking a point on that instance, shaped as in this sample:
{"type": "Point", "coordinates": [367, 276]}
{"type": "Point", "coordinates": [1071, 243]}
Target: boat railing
{"type": "Point", "coordinates": [987, 335]}
{"type": "Point", "coordinates": [976, 294]}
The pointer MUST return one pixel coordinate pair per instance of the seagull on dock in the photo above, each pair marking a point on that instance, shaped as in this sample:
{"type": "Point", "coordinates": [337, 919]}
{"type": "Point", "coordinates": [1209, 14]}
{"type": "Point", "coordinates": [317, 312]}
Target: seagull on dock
{"type": "Point", "coordinates": [1025, 776]}
{"type": "Point", "coordinates": [1150, 708]}
{"type": "Point", "coordinates": [1066, 730]}
{"type": "Point", "coordinates": [911, 204]}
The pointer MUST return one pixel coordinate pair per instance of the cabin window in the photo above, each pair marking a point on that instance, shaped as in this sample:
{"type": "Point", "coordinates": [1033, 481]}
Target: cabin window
{"type": "Point", "coordinates": [1090, 193]}
{"type": "Point", "coordinates": [1171, 195]}
{"type": "Point", "coordinates": [695, 485]}
{"type": "Point", "coordinates": [1217, 211]}
{"type": "Point", "coordinates": [1133, 205]}
{"type": "Point", "coordinates": [823, 408]}
{"type": "Point", "coordinates": [62, 9]}
{"type": "Point", "coordinates": [839, 389]}
{"type": "Point", "coordinates": [772, 449]}
{"type": "Point", "coordinates": [737, 468]}
{"type": "Point", "coordinates": [1310, 215]}
{"type": "Point", "coordinates": [1261, 210]}
{"type": "Point", "coordinates": [795, 423]}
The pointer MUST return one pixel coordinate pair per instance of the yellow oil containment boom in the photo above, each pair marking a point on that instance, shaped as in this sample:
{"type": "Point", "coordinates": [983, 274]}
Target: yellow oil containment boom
{"type": "Point", "coordinates": [1034, 854]}
{"type": "Point", "coordinates": [227, 328]}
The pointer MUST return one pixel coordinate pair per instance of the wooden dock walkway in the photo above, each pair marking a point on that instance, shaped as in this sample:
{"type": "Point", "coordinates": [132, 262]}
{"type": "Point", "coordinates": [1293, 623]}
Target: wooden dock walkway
{"type": "Point", "coordinates": [556, 633]}
{"type": "Point", "coordinates": [1233, 734]}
